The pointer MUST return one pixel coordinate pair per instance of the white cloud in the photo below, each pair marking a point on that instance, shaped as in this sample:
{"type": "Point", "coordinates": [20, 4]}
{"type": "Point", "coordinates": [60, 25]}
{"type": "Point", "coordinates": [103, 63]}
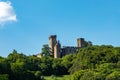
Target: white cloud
{"type": "Point", "coordinates": [7, 13]}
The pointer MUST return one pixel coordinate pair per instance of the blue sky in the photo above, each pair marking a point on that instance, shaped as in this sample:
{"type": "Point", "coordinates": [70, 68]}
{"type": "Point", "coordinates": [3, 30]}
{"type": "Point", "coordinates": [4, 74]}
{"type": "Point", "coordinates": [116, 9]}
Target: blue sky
{"type": "Point", "coordinates": [95, 20]}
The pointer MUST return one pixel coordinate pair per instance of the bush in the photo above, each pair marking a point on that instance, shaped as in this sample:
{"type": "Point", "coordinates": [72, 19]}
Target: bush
{"type": "Point", "coordinates": [88, 75]}
{"type": "Point", "coordinates": [38, 75]}
{"type": "Point", "coordinates": [113, 76]}
{"type": "Point", "coordinates": [78, 75]}
{"type": "Point", "coordinates": [4, 77]}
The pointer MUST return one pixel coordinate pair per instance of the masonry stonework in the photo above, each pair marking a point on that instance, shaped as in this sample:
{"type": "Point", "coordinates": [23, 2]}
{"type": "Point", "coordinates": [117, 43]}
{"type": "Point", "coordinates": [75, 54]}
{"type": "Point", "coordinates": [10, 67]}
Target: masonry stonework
{"type": "Point", "coordinates": [57, 50]}
{"type": "Point", "coordinates": [55, 47]}
{"type": "Point", "coordinates": [81, 42]}
{"type": "Point", "coordinates": [53, 42]}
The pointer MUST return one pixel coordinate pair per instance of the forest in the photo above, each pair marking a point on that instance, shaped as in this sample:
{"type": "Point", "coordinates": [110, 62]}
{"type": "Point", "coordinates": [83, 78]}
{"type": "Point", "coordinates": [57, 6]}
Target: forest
{"type": "Point", "coordinates": [90, 63]}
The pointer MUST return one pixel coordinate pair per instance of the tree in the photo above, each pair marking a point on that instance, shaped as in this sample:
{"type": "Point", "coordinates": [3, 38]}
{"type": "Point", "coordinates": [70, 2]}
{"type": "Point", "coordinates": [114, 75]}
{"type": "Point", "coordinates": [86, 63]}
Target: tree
{"type": "Point", "coordinates": [4, 66]}
{"type": "Point", "coordinates": [90, 56]}
{"type": "Point", "coordinates": [12, 57]}
{"type": "Point", "coordinates": [4, 77]}
{"type": "Point", "coordinates": [46, 65]}
{"type": "Point", "coordinates": [67, 62]}
{"type": "Point", "coordinates": [18, 70]}
{"type": "Point", "coordinates": [115, 75]}
{"type": "Point", "coordinates": [77, 75]}
{"type": "Point", "coordinates": [89, 43]}
{"type": "Point", "coordinates": [38, 75]}
{"type": "Point", "coordinates": [45, 50]}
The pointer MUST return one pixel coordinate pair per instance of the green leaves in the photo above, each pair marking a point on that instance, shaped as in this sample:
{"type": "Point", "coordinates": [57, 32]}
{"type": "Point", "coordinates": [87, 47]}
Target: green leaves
{"type": "Point", "coordinates": [4, 77]}
{"type": "Point", "coordinates": [91, 63]}
{"type": "Point", "coordinates": [97, 63]}
{"type": "Point", "coordinates": [115, 75]}
{"type": "Point", "coordinates": [45, 50]}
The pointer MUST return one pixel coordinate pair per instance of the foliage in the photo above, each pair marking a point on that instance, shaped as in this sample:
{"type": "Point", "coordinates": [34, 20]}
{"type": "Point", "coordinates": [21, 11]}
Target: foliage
{"type": "Point", "coordinates": [78, 75]}
{"type": "Point", "coordinates": [97, 63]}
{"type": "Point", "coordinates": [38, 75]}
{"type": "Point", "coordinates": [53, 77]}
{"type": "Point", "coordinates": [89, 57]}
{"type": "Point", "coordinates": [115, 75]}
{"type": "Point", "coordinates": [45, 50]}
{"type": "Point", "coordinates": [91, 63]}
{"type": "Point", "coordinates": [4, 77]}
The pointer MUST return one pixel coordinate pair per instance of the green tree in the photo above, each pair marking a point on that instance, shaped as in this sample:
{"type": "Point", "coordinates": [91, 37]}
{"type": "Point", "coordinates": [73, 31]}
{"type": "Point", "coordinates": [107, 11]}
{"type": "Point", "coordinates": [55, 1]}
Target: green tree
{"type": "Point", "coordinates": [45, 50]}
{"type": "Point", "coordinates": [113, 76]}
{"type": "Point", "coordinates": [77, 75]}
{"type": "Point", "coordinates": [12, 57]}
{"type": "Point", "coordinates": [67, 62]}
{"type": "Point", "coordinates": [38, 75]}
{"type": "Point", "coordinates": [46, 65]}
{"type": "Point", "coordinates": [4, 77]}
{"type": "Point", "coordinates": [89, 43]}
{"type": "Point", "coordinates": [4, 66]}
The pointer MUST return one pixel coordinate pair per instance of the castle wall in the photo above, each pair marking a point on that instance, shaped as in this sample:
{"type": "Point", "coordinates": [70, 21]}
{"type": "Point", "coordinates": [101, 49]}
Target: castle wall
{"type": "Point", "coordinates": [81, 42]}
{"type": "Point", "coordinates": [69, 50]}
{"type": "Point", "coordinates": [53, 42]}
{"type": "Point", "coordinates": [57, 50]}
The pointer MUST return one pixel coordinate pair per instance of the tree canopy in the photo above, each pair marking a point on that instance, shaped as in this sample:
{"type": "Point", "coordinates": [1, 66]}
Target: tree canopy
{"type": "Point", "coordinates": [90, 63]}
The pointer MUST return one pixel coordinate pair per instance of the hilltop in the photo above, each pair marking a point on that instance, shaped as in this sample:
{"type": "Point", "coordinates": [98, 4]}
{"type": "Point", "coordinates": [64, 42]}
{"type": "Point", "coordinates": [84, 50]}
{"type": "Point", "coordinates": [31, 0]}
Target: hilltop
{"type": "Point", "coordinates": [90, 63]}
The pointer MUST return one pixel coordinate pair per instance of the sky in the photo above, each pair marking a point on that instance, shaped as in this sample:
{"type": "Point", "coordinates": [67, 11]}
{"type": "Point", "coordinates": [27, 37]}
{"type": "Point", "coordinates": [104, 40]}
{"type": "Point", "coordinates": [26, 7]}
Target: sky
{"type": "Point", "coordinates": [25, 25]}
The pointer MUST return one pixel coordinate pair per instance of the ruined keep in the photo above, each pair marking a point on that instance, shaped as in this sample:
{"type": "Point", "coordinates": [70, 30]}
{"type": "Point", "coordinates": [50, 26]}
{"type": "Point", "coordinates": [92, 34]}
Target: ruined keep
{"type": "Point", "coordinates": [81, 42]}
{"type": "Point", "coordinates": [57, 51]}
{"type": "Point", "coordinates": [53, 42]}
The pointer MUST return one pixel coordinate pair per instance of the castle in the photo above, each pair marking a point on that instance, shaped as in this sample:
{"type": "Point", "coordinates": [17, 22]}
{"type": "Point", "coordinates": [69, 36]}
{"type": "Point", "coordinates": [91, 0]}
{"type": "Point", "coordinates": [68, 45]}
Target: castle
{"type": "Point", "coordinates": [56, 51]}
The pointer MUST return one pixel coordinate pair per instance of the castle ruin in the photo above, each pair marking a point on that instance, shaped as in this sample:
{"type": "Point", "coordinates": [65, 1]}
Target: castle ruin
{"type": "Point", "coordinates": [57, 51]}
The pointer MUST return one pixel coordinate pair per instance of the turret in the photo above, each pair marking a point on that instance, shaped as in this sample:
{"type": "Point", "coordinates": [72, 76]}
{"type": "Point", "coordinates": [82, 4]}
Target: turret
{"type": "Point", "coordinates": [57, 50]}
{"type": "Point", "coordinates": [81, 42]}
{"type": "Point", "coordinates": [53, 41]}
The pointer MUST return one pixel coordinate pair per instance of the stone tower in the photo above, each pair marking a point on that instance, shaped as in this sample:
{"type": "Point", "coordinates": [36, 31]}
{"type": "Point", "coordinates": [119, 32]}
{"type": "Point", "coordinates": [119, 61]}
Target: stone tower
{"type": "Point", "coordinates": [57, 50]}
{"type": "Point", "coordinates": [53, 42]}
{"type": "Point", "coordinates": [81, 42]}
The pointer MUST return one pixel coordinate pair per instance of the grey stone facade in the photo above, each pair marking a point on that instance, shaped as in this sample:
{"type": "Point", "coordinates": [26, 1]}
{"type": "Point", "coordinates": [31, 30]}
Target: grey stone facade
{"type": "Point", "coordinates": [57, 51]}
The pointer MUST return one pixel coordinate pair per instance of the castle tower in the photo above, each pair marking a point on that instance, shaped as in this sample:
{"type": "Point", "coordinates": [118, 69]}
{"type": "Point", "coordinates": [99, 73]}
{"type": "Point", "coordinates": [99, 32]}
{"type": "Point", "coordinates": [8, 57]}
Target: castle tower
{"type": "Point", "coordinates": [81, 42]}
{"type": "Point", "coordinates": [53, 41]}
{"type": "Point", "coordinates": [57, 50]}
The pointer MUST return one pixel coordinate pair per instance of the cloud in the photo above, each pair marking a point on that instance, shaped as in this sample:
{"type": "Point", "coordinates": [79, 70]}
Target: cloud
{"type": "Point", "coordinates": [7, 13]}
